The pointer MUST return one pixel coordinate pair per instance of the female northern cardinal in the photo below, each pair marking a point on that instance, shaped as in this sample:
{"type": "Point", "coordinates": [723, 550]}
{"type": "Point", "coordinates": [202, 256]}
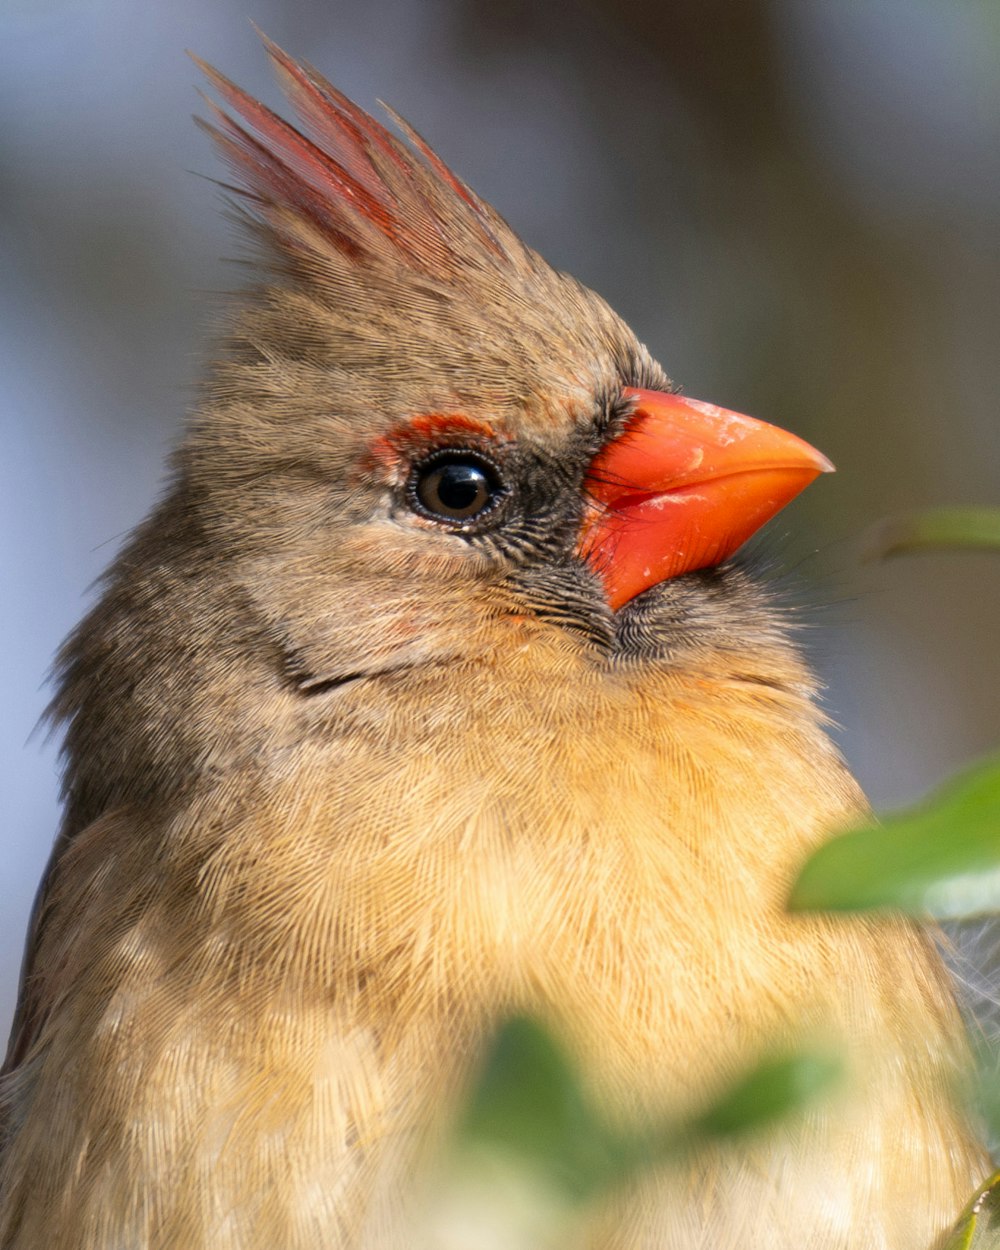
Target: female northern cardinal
{"type": "Point", "coordinates": [428, 693]}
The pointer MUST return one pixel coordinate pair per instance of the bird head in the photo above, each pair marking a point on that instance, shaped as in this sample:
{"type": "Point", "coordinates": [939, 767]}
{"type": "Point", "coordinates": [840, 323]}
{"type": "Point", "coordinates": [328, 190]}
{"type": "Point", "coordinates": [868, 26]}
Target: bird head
{"type": "Point", "coordinates": [416, 402]}
{"type": "Point", "coordinates": [420, 445]}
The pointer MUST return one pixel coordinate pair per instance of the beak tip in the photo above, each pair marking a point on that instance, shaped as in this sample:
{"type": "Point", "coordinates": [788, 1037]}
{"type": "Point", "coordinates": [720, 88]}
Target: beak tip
{"type": "Point", "coordinates": [724, 475]}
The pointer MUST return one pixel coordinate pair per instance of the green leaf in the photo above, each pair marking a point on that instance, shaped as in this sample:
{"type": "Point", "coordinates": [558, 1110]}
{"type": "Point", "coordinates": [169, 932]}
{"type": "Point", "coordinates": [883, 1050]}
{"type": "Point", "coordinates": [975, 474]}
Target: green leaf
{"type": "Point", "coordinates": [528, 1108]}
{"type": "Point", "coordinates": [528, 1104]}
{"type": "Point", "coordinates": [978, 1227]}
{"type": "Point", "coordinates": [934, 529]}
{"type": "Point", "coordinates": [776, 1088]}
{"type": "Point", "coordinates": [939, 859]}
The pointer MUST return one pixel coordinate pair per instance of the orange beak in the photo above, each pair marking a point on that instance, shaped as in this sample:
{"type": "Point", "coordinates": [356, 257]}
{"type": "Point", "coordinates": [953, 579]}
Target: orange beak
{"type": "Point", "coordinates": [682, 488]}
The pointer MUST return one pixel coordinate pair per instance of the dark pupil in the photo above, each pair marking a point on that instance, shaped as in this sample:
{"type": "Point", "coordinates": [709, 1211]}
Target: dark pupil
{"type": "Point", "coordinates": [455, 490]}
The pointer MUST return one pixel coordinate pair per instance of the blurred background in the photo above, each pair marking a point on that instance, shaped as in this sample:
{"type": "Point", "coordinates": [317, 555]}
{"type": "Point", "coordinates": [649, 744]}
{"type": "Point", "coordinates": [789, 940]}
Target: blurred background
{"type": "Point", "coordinates": [795, 203]}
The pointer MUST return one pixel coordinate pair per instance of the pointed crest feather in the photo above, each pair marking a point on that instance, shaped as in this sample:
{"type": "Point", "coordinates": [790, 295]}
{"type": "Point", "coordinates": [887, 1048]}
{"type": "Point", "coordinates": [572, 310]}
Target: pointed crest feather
{"type": "Point", "coordinates": [383, 271]}
{"type": "Point", "coordinates": [348, 177]}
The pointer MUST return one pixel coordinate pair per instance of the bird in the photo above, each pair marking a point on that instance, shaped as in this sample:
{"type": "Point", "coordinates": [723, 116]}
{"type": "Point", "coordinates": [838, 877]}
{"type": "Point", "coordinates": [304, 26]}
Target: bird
{"type": "Point", "coordinates": [437, 688]}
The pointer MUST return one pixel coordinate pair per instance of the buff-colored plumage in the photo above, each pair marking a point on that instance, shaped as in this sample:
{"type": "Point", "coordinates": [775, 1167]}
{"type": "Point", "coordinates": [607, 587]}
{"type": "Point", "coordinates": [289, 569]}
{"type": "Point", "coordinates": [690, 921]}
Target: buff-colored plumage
{"type": "Point", "coordinates": [342, 790]}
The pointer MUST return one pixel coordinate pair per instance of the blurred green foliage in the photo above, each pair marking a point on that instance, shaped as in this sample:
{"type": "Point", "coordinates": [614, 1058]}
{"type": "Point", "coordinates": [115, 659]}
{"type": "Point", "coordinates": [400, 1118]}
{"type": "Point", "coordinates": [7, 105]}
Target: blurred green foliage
{"type": "Point", "coordinates": [531, 1150]}
{"type": "Point", "coordinates": [528, 1103]}
{"type": "Point", "coordinates": [978, 1228]}
{"type": "Point", "coordinates": [940, 859]}
{"type": "Point", "coordinates": [934, 529]}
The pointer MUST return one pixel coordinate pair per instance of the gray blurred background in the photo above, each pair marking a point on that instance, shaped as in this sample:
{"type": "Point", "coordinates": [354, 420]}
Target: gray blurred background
{"type": "Point", "coordinates": [796, 203]}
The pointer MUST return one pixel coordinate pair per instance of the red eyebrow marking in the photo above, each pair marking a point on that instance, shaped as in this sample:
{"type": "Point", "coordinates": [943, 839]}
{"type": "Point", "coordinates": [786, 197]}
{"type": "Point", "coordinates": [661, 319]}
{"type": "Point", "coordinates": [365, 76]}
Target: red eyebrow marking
{"type": "Point", "coordinates": [431, 424]}
{"type": "Point", "coordinates": [421, 434]}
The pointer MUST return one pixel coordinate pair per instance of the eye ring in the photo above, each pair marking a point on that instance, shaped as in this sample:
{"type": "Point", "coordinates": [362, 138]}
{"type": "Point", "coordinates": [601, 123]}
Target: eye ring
{"type": "Point", "coordinates": [456, 486]}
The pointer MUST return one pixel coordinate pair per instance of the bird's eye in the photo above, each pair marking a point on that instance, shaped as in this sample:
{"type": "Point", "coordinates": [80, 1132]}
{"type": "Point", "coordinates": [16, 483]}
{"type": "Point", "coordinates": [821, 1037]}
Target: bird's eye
{"type": "Point", "coordinates": [456, 485]}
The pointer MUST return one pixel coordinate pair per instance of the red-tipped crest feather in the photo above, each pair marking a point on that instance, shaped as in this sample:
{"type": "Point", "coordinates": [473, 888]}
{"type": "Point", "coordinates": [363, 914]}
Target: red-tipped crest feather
{"type": "Point", "coordinates": [351, 178]}
{"type": "Point", "coordinates": [288, 163]}
{"type": "Point", "coordinates": [320, 104]}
